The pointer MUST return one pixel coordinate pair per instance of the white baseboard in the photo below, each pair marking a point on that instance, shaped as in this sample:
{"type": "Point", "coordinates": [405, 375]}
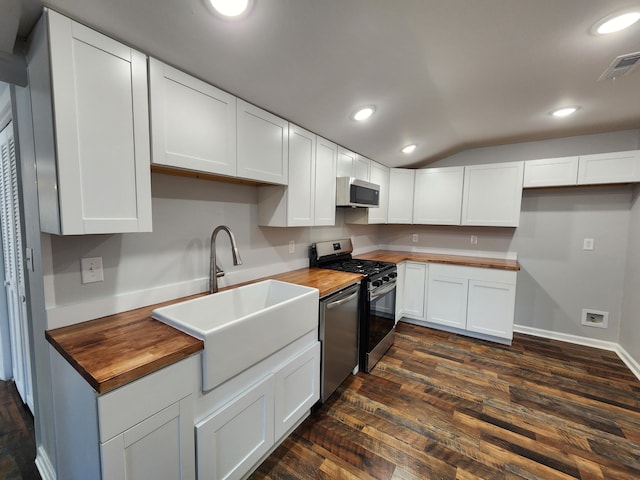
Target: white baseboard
{"type": "Point", "coordinates": [44, 466]}
{"type": "Point", "coordinates": [629, 361]}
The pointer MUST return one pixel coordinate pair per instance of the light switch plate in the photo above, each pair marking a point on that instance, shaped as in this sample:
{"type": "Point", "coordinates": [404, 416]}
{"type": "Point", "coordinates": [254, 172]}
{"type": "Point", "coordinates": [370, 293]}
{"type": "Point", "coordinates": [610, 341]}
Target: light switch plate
{"type": "Point", "coordinates": [588, 244]}
{"type": "Point", "coordinates": [91, 268]}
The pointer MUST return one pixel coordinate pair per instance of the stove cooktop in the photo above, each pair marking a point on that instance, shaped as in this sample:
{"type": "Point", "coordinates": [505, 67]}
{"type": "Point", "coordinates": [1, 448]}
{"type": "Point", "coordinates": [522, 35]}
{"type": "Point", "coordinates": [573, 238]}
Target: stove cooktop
{"type": "Point", "coordinates": [364, 267]}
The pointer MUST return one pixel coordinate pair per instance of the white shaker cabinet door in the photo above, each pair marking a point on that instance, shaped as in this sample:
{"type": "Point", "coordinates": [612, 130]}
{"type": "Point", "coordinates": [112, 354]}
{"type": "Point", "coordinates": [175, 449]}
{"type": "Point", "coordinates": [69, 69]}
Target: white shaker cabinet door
{"type": "Point", "coordinates": [302, 177]}
{"type": "Point", "coordinates": [153, 448]}
{"type": "Point", "coordinates": [616, 167]}
{"type": "Point", "coordinates": [325, 186]}
{"type": "Point", "coordinates": [380, 176]}
{"type": "Point", "coordinates": [438, 196]}
{"type": "Point", "coordinates": [362, 168]}
{"type": "Point", "coordinates": [233, 439]}
{"type": "Point", "coordinates": [346, 162]}
{"type": "Point", "coordinates": [491, 308]}
{"type": "Point", "coordinates": [193, 123]}
{"type": "Point", "coordinates": [263, 145]}
{"type": "Point", "coordinates": [447, 297]}
{"type": "Point", "coordinates": [100, 102]}
{"type": "Point", "coordinates": [401, 195]}
{"type": "Point", "coordinates": [297, 389]}
{"type": "Point", "coordinates": [550, 172]}
{"type": "Point", "coordinates": [492, 194]}
{"type": "Point", "coordinates": [414, 295]}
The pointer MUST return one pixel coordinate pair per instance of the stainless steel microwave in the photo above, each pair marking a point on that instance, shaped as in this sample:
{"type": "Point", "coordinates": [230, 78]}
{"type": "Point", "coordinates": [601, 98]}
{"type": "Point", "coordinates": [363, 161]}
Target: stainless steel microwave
{"type": "Point", "coordinates": [351, 192]}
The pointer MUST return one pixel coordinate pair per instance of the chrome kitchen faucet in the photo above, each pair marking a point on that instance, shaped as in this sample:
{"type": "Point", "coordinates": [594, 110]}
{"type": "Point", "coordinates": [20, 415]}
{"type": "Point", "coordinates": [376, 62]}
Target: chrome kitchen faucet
{"type": "Point", "coordinates": [215, 272]}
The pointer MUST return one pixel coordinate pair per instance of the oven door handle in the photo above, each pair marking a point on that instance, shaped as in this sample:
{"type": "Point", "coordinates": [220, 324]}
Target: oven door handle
{"type": "Point", "coordinates": [380, 291]}
{"type": "Point", "coordinates": [342, 301]}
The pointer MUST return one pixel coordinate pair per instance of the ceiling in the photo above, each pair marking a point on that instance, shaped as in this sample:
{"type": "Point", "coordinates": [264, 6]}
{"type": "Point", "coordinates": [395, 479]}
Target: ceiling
{"type": "Point", "coordinates": [445, 74]}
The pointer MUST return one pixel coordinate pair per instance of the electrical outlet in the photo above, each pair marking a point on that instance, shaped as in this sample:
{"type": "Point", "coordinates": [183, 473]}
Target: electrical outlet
{"type": "Point", "coordinates": [474, 240]}
{"type": "Point", "coordinates": [588, 244]}
{"type": "Point", "coordinates": [91, 268]}
{"type": "Point", "coordinates": [414, 238]}
{"type": "Point", "coordinates": [292, 246]}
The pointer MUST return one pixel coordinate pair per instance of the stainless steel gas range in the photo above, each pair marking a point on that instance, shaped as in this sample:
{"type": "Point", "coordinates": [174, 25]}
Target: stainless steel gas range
{"type": "Point", "coordinates": [377, 303]}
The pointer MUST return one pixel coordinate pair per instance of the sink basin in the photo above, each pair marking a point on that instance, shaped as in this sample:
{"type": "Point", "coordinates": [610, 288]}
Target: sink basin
{"type": "Point", "coordinates": [243, 325]}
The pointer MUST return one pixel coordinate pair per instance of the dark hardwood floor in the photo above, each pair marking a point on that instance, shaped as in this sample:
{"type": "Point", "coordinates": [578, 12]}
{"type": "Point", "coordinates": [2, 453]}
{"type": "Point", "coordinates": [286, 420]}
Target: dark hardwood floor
{"type": "Point", "coordinates": [17, 440]}
{"type": "Point", "coordinates": [442, 406]}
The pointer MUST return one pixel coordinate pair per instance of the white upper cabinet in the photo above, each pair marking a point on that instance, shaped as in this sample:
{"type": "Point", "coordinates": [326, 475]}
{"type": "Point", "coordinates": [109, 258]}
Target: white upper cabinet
{"type": "Point", "coordinates": [309, 199]}
{"type": "Point", "coordinates": [492, 194]}
{"type": "Point", "coordinates": [438, 196]}
{"type": "Point", "coordinates": [379, 175]}
{"type": "Point", "coordinates": [302, 177]}
{"type": "Point", "coordinates": [401, 185]}
{"type": "Point", "coordinates": [350, 164]}
{"type": "Point", "coordinates": [91, 129]}
{"type": "Point", "coordinates": [346, 160]}
{"type": "Point", "coordinates": [617, 167]}
{"type": "Point", "coordinates": [193, 123]}
{"type": "Point", "coordinates": [325, 185]}
{"type": "Point", "coordinates": [373, 215]}
{"type": "Point", "coordinates": [263, 145]}
{"type": "Point", "coordinates": [551, 172]}
{"type": "Point", "coordinates": [362, 168]}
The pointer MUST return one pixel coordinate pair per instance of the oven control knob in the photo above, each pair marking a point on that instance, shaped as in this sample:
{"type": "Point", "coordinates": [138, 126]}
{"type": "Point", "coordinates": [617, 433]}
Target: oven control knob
{"type": "Point", "coordinates": [385, 279]}
{"type": "Point", "coordinates": [377, 283]}
{"type": "Point", "coordinates": [393, 275]}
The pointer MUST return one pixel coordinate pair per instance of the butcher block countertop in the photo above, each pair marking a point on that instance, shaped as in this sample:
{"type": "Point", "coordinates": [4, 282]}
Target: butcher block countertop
{"type": "Point", "coordinates": [112, 351]}
{"type": "Point", "coordinates": [483, 262]}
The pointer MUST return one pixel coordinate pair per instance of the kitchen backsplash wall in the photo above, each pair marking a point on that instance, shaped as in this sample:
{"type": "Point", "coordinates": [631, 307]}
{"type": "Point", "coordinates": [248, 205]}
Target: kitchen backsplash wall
{"type": "Point", "coordinates": [173, 260]}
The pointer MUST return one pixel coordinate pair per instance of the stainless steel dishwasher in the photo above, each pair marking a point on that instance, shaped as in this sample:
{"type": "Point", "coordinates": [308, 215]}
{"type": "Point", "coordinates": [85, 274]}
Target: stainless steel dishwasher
{"type": "Point", "coordinates": [339, 338]}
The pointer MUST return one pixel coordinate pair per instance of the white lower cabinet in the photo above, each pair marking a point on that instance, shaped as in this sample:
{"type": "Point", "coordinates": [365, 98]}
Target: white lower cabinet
{"type": "Point", "coordinates": [233, 439]}
{"type": "Point", "coordinates": [414, 290]}
{"type": "Point", "coordinates": [236, 436]}
{"type": "Point", "coordinates": [143, 429]}
{"type": "Point", "coordinates": [153, 448]}
{"type": "Point", "coordinates": [490, 308]}
{"type": "Point", "coordinates": [472, 299]}
{"type": "Point", "coordinates": [447, 299]}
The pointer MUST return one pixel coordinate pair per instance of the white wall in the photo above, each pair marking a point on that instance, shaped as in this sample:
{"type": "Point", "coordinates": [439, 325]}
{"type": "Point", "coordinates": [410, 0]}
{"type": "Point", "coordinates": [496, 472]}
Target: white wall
{"type": "Point", "coordinates": [630, 325]}
{"type": "Point", "coordinates": [557, 278]}
{"type": "Point", "coordinates": [173, 260]}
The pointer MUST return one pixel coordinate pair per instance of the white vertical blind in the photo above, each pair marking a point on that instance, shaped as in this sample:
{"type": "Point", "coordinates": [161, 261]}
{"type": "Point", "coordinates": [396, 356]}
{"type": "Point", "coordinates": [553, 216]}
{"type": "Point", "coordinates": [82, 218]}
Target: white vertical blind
{"type": "Point", "coordinates": [14, 266]}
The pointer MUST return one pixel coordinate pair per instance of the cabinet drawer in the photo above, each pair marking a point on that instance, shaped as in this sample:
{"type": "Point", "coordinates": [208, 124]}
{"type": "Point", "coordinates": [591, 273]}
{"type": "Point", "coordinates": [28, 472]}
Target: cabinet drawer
{"type": "Point", "coordinates": [131, 403]}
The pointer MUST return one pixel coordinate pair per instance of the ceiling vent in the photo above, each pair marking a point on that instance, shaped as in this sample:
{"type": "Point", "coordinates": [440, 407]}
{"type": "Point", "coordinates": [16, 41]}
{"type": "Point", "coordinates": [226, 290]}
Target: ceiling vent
{"type": "Point", "coordinates": [621, 66]}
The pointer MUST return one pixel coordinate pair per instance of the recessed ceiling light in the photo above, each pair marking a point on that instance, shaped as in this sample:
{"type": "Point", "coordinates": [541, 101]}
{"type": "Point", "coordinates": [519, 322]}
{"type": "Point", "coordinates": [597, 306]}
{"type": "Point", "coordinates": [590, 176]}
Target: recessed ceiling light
{"type": "Point", "coordinates": [409, 148]}
{"type": "Point", "coordinates": [564, 112]}
{"type": "Point", "coordinates": [363, 113]}
{"type": "Point", "coordinates": [615, 23]}
{"type": "Point", "coordinates": [230, 9]}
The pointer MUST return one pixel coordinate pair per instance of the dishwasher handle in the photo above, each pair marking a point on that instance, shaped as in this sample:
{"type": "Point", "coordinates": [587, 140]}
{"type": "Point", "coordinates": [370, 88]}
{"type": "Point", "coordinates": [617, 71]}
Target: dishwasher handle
{"type": "Point", "coordinates": [342, 301]}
